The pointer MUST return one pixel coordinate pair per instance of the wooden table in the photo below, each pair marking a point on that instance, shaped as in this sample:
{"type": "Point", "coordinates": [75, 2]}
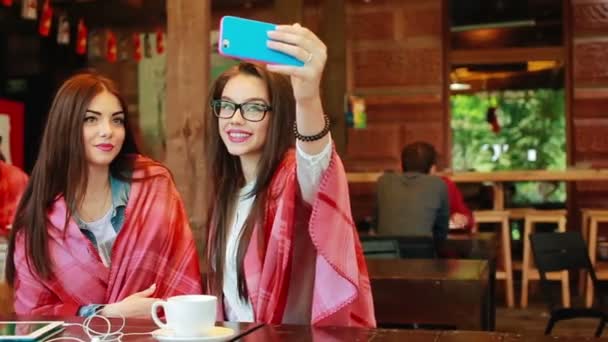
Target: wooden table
{"type": "Point", "coordinates": [255, 332]}
{"type": "Point", "coordinates": [475, 246]}
{"type": "Point", "coordinates": [498, 178]}
{"type": "Point", "coordinates": [457, 245]}
{"type": "Point", "coordinates": [469, 246]}
{"type": "Point", "coordinates": [140, 326]}
{"type": "Point", "coordinates": [302, 333]}
{"type": "Point", "coordinates": [450, 293]}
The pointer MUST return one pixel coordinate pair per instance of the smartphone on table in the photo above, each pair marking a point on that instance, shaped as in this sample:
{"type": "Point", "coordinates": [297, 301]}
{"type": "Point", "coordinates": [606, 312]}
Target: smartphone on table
{"type": "Point", "coordinates": [29, 331]}
{"type": "Point", "coordinates": [246, 39]}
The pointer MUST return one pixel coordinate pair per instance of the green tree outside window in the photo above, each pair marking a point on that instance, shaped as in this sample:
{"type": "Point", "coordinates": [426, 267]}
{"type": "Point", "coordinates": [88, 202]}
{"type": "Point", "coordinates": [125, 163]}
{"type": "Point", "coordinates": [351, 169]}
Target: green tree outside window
{"type": "Point", "coordinates": [532, 137]}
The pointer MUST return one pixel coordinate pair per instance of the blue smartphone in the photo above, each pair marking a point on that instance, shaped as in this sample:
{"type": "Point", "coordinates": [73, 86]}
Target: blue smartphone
{"type": "Point", "coordinates": [246, 39]}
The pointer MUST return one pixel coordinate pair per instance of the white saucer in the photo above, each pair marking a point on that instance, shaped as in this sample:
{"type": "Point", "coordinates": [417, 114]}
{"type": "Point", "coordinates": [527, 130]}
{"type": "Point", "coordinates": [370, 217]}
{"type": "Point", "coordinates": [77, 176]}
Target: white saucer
{"type": "Point", "coordinates": [216, 334]}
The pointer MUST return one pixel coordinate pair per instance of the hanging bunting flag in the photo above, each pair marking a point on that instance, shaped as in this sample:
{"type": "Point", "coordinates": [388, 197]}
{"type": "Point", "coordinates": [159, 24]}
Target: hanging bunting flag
{"type": "Point", "coordinates": [7, 3]}
{"type": "Point", "coordinates": [44, 26]}
{"type": "Point", "coordinates": [492, 119]}
{"type": "Point", "coordinates": [81, 38]}
{"type": "Point", "coordinates": [160, 41]}
{"type": "Point", "coordinates": [111, 51]}
{"type": "Point", "coordinates": [147, 46]}
{"type": "Point", "coordinates": [137, 55]}
{"type": "Point", "coordinates": [29, 9]}
{"type": "Point", "coordinates": [63, 30]}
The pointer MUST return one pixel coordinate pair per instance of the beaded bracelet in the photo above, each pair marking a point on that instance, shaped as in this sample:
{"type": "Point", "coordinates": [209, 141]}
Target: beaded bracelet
{"type": "Point", "coordinates": [315, 137]}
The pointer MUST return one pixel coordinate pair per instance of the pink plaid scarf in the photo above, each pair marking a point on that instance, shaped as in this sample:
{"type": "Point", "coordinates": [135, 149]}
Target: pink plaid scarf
{"type": "Point", "coordinates": [342, 293]}
{"type": "Point", "coordinates": [154, 246]}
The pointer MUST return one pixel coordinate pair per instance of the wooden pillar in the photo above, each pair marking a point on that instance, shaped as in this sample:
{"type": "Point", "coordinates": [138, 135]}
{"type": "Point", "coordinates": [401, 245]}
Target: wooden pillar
{"type": "Point", "coordinates": [586, 39]}
{"type": "Point", "coordinates": [289, 11]}
{"type": "Point", "coordinates": [333, 86]}
{"type": "Point", "coordinates": [187, 86]}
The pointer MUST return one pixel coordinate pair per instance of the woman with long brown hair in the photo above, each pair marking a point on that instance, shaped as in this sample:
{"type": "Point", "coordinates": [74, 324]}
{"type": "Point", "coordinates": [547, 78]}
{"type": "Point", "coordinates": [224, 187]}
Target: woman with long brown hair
{"type": "Point", "coordinates": [99, 228]}
{"type": "Point", "coordinates": [282, 246]}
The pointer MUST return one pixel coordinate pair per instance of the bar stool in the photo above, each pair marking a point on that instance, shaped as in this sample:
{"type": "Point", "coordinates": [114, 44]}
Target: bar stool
{"type": "Point", "coordinates": [591, 218]}
{"type": "Point", "coordinates": [501, 217]}
{"type": "Point", "coordinates": [529, 272]}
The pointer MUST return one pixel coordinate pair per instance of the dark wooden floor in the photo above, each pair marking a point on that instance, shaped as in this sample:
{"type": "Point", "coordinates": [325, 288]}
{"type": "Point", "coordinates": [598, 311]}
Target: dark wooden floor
{"type": "Point", "coordinates": [533, 320]}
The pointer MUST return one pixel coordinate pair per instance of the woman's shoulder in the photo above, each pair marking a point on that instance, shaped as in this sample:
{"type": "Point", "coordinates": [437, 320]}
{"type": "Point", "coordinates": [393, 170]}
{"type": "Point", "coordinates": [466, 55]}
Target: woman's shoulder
{"type": "Point", "coordinates": [146, 167]}
{"type": "Point", "coordinates": [289, 158]}
{"type": "Point", "coordinates": [285, 171]}
{"type": "Point", "coordinates": [448, 182]}
{"type": "Point", "coordinates": [13, 173]}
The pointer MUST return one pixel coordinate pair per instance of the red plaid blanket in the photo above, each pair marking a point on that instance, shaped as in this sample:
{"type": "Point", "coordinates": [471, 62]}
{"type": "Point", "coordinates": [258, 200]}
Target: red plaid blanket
{"type": "Point", "coordinates": [155, 245]}
{"type": "Point", "coordinates": [12, 184]}
{"type": "Point", "coordinates": [341, 293]}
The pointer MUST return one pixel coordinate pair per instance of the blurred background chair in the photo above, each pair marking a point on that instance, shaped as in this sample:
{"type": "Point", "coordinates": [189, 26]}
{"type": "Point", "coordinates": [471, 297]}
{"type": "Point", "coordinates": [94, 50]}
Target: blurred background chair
{"type": "Point", "coordinates": [555, 252]}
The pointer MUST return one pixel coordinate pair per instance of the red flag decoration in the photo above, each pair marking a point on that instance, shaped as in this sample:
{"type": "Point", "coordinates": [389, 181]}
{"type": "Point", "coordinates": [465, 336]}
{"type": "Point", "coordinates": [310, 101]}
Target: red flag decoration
{"type": "Point", "coordinates": [46, 19]}
{"type": "Point", "coordinates": [492, 119]}
{"type": "Point", "coordinates": [111, 51]}
{"type": "Point", "coordinates": [160, 41]}
{"type": "Point", "coordinates": [81, 38]}
{"type": "Point", "coordinates": [137, 47]}
{"type": "Point", "coordinates": [29, 9]}
{"type": "Point", "coordinates": [7, 3]}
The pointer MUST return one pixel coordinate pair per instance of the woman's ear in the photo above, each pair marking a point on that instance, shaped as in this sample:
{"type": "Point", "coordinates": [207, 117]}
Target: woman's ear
{"type": "Point", "coordinates": [433, 169]}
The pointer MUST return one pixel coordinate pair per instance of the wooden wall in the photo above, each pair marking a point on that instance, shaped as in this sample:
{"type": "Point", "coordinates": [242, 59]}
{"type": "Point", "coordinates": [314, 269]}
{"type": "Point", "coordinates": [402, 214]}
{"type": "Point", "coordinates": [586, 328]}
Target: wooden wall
{"type": "Point", "coordinates": [397, 62]}
{"type": "Point", "coordinates": [588, 77]}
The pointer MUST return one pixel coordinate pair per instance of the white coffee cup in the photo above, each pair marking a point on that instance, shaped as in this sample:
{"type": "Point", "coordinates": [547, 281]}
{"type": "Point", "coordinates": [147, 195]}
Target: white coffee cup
{"type": "Point", "coordinates": [188, 315]}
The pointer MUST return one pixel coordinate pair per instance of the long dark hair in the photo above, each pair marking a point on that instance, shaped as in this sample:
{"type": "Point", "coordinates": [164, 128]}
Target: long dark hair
{"type": "Point", "coordinates": [61, 168]}
{"type": "Point", "coordinates": [227, 175]}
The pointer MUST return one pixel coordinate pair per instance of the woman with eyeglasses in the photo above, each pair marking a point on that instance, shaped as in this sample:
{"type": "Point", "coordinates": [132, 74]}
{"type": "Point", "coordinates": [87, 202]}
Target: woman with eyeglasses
{"type": "Point", "coordinates": [282, 246]}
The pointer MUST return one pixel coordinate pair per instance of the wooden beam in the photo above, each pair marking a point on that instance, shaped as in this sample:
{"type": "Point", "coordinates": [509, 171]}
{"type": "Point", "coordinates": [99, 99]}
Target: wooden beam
{"type": "Point", "coordinates": [333, 34]}
{"type": "Point", "coordinates": [187, 85]}
{"type": "Point", "coordinates": [289, 11]}
{"type": "Point", "coordinates": [511, 55]}
{"type": "Point", "coordinates": [143, 15]}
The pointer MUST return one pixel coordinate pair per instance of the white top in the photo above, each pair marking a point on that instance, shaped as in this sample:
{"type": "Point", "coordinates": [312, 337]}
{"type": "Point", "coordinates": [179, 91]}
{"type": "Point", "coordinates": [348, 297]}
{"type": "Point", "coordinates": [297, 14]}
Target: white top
{"type": "Point", "coordinates": [309, 170]}
{"type": "Point", "coordinates": [104, 234]}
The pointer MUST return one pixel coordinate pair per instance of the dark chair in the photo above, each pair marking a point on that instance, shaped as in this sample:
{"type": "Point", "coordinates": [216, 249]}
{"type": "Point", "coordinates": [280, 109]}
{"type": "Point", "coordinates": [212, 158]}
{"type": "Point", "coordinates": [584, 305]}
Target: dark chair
{"type": "Point", "coordinates": [559, 252]}
{"type": "Point", "coordinates": [417, 247]}
{"type": "Point", "coordinates": [397, 246]}
{"type": "Point", "coordinates": [380, 248]}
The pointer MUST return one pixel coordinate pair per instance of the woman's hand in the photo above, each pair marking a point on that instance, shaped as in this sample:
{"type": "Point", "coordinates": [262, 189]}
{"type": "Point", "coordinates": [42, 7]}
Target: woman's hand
{"type": "Point", "coordinates": [136, 305]}
{"type": "Point", "coordinates": [303, 44]}
{"type": "Point", "coordinates": [458, 221]}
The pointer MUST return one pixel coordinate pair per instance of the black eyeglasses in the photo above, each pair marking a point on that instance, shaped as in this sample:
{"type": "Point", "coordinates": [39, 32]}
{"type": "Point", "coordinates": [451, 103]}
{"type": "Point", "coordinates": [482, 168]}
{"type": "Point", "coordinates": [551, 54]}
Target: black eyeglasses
{"type": "Point", "coordinates": [250, 111]}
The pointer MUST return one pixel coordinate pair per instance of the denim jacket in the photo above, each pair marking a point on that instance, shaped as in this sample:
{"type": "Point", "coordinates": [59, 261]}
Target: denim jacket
{"type": "Point", "coordinates": [120, 196]}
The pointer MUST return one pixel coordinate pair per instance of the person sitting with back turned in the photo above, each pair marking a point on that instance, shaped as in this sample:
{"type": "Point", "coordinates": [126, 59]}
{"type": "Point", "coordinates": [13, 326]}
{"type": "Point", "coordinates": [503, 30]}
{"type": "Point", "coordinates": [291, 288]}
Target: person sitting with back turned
{"type": "Point", "coordinates": [12, 184]}
{"type": "Point", "coordinates": [413, 203]}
